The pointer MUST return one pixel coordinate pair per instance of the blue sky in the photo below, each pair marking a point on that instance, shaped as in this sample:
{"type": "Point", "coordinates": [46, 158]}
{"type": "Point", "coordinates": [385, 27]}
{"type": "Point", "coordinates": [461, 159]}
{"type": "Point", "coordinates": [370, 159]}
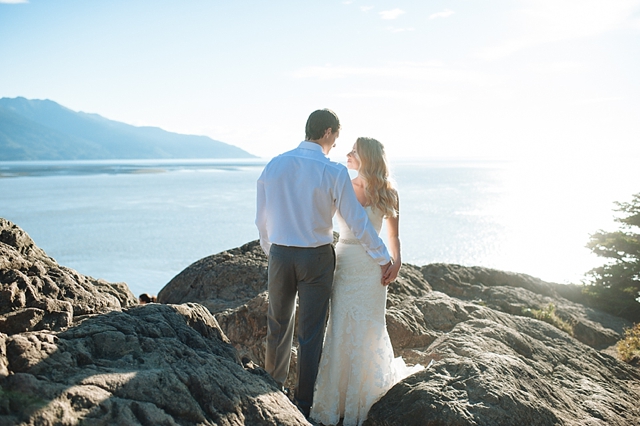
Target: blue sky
{"type": "Point", "coordinates": [497, 79]}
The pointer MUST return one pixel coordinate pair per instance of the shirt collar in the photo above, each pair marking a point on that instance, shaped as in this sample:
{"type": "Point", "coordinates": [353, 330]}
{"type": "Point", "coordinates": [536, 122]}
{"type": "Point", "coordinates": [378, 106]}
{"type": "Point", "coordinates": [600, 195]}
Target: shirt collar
{"type": "Point", "coordinates": [311, 145]}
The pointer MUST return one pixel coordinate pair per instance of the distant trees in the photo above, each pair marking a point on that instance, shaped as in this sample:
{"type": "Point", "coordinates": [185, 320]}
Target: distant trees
{"type": "Point", "coordinates": [615, 286]}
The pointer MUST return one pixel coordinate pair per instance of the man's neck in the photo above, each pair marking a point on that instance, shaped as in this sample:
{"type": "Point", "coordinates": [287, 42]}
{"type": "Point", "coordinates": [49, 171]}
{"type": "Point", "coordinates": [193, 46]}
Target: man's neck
{"type": "Point", "coordinates": [324, 147]}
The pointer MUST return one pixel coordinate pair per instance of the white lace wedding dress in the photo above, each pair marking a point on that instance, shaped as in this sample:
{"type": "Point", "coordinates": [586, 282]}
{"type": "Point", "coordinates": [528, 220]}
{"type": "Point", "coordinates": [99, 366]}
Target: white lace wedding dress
{"type": "Point", "coordinates": [357, 365]}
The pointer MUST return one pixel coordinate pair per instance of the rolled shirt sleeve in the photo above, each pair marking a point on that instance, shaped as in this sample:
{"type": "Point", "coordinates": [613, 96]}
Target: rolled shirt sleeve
{"type": "Point", "coordinates": [261, 216]}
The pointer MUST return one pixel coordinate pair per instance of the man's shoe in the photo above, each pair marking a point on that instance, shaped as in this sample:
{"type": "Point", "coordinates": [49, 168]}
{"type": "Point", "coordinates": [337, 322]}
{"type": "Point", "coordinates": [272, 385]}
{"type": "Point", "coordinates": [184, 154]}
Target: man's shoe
{"type": "Point", "coordinates": [305, 411]}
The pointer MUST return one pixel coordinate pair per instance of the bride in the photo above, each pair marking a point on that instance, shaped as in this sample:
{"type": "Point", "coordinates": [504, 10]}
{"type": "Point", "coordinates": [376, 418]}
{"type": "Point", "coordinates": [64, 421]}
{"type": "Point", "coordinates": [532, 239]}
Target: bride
{"type": "Point", "coordinates": [357, 365]}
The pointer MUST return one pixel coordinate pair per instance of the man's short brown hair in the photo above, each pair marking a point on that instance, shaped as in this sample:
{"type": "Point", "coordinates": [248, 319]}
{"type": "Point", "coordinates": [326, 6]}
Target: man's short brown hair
{"type": "Point", "coordinates": [319, 121]}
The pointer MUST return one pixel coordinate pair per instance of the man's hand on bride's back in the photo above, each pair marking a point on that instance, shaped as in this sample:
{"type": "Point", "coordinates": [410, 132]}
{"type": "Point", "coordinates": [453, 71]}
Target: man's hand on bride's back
{"type": "Point", "coordinates": [390, 272]}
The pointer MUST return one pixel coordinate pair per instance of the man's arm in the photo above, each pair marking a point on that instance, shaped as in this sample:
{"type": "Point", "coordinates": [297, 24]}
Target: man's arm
{"type": "Point", "coordinates": [356, 217]}
{"type": "Point", "coordinates": [261, 216]}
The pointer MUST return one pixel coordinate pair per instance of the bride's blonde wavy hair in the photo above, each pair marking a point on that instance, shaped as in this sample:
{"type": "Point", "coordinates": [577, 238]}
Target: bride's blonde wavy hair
{"type": "Point", "coordinates": [374, 170]}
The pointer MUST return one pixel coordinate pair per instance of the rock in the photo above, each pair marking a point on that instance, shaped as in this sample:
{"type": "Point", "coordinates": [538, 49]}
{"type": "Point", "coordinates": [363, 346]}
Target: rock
{"type": "Point", "coordinates": [78, 350]}
{"type": "Point", "coordinates": [416, 323]}
{"type": "Point", "coordinates": [520, 294]}
{"type": "Point", "coordinates": [74, 349]}
{"type": "Point", "coordinates": [13, 236]}
{"type": "Point", "coordinates": [492, 368]}
{"type": "Point", "coordinates": [492, 363]}
{"type": "Point", "coordinates": [247, 327]}
{"type": "Point", "coordinates": [410, 282]}
{"type": "Point", "coordinates": [38, 294]}
{"type": "Point", "coordinates": [222, 281]}
{"type": "Point", "coordinates": [151, 364]}
{"type": "Point", "coordinates": [452, 278]}
{"type": "Point", "coordinates": [233, 284]}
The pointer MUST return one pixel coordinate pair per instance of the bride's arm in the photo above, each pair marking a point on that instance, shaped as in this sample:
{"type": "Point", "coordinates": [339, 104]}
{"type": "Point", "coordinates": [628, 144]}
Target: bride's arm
{"type": "Point", "coordinates": [393, 234]}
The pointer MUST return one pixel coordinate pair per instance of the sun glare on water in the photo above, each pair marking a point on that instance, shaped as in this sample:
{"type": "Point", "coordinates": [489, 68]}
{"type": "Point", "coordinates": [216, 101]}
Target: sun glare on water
{"type": "Point", "coordinates": [549, 211]}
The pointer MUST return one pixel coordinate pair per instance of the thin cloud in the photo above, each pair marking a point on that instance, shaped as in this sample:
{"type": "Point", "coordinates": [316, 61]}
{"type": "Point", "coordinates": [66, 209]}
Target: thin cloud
{"type": "Point", "coordinates": [548, 21]}
{"type": "Point", "coordinates": [13, 1]}
{"type": "Point", "coordinates": [400, 30]}
{"type": "Point", "coordinates": [429, 72]}
{"type": "Point", "coordinates": [563, 67]}
{"type": "Point", "coordinates": [371, 94]}
{"type": "Point", "coordinates": [444, 14]}
{"type": "Point", "coordinates": [502, 50]}
{"type": "Point", "coordinates": [430, 100]}
{"type": "Point", "coordinates": [599, 100]}
{"type": "Point", "coordinates": [366, 8]}
{"type": "Point", "coordinates": [391, 14]}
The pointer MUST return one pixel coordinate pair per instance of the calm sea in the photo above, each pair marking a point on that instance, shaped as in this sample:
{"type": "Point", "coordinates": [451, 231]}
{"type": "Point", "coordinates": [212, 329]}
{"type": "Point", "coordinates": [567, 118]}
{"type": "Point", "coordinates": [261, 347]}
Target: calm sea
{"type": "Point", "coordinates": [142, 222]}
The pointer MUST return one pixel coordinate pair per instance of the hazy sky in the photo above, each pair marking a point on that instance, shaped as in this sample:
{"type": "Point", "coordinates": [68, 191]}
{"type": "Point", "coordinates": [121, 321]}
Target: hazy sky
{"type": "Point", "coordinates": [495, 78]}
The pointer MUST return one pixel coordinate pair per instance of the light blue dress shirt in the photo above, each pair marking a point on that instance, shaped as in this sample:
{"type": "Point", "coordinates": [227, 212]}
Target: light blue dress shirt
{"type": "Point", "coordinates": [298, 193]}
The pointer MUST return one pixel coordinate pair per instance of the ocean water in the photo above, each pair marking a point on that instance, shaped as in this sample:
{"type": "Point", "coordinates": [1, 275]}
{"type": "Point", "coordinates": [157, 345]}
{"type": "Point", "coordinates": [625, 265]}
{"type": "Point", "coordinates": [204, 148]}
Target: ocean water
{"type": "Point", "coordinates": [142, 222]}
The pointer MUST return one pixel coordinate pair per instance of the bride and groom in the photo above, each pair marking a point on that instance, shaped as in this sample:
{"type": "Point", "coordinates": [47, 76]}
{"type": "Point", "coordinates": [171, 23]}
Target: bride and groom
{"type": "Point", "coordinates": [298, 194]}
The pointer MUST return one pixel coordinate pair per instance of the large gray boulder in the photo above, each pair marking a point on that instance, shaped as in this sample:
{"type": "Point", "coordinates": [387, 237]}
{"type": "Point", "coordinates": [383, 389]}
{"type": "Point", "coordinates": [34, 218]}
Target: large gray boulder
{"type": "Point", "coordinates": [38, 294]}
{"type": "Point", "coordinates": [222, 281]}
{"type": "Point", "coordinates": [149, 365]}
{"type": "Point", "coordinates": [520, 294]}
{"type": "Point", "coordinates": [75, 350]}
{"type": "Point", "coordinates": [492, 368]}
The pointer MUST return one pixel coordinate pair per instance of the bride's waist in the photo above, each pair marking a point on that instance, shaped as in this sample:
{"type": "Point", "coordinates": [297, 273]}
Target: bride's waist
{"type": "Point", "coordinates": [353, 252]}
{"type": "Point", "coordinates": [350, 241]}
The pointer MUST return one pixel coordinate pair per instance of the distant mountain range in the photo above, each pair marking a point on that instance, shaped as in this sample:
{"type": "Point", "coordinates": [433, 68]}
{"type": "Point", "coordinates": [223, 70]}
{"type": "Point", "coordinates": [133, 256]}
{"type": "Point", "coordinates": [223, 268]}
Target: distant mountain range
{"type": "Point", "coordinates": [45, 130]}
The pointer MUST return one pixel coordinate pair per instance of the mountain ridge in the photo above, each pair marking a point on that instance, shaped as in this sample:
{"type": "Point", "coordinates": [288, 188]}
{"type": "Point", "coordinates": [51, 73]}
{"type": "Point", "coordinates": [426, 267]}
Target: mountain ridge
{"type": "Point", "coordinates": [45, 130]}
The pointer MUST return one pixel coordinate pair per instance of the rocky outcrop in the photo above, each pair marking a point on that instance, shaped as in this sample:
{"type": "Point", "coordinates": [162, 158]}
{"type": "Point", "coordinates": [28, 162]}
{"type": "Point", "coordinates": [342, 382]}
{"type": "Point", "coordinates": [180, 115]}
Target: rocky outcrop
{"type": "Point", "coordinates": [38, 294]}
{"type": "Point", "coordinates": [492, 368]}
{"type": "Point", "coordinates": [232, 285]}
{"type": "Point", "coordinates": [222, 281]}
{"type": "Point", "coordinates": [78, 350]}
{"type": "Point", "coordinates": [149, 365]}
{"type": "Point", "coordinates": [113, 362]}
{"type": "Point", "coordinates": [518, 294]}
{"type": "Point", "coordinates": [493, 364]}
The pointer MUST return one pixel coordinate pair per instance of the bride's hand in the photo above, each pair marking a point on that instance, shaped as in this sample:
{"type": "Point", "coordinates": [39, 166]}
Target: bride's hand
{"type": "Point", "coordinates": [385, 268]}
{"type": "Point", "coordinates": [390, 272]}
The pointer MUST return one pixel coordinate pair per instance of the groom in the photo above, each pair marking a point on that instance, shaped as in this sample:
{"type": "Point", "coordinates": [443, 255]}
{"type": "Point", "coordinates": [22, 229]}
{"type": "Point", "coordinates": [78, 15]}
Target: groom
{"type": "Point", "coordinates": [297, 195]}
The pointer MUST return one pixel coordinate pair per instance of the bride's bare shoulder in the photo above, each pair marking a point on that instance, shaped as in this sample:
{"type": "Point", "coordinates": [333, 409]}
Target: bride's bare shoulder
{"type": "Point", "coordinates": [359, 188]}
{"type": "Point", "coordinates": [357, 182]}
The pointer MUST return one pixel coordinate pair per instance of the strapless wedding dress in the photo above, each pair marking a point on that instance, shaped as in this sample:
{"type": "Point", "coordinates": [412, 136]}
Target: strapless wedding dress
{"type": "Point", "coordinates": [357, 365]}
